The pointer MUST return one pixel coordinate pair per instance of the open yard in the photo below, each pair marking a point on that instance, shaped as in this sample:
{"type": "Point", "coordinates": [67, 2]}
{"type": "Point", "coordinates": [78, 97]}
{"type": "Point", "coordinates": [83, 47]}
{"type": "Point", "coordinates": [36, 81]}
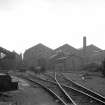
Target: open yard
{"type": "Point", "coordinates": [92, 81]}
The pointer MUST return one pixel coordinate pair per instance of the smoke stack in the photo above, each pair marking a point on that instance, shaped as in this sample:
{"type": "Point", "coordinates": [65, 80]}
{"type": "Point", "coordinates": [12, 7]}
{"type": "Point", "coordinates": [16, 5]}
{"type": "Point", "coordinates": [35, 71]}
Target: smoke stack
{"type": "Point", "coordinates": [84, 42]}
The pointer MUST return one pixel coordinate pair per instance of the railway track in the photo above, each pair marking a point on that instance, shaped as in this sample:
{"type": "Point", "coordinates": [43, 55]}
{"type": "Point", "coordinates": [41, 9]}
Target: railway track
{"type": "Point", "coordinates": [69, 83]}
{"type": "Point", "coordinates": [62, 79]}
{"type": "Point", "coordinates": [50, 91]}
{"type": "Point", "coordinates": [75, 94]}
{"type": "Point", "coordinates": [79, 97]}
{"type": "Point", "coordinates": [51, 88]}
{"type": "Point", "coordinates": [68, 95]}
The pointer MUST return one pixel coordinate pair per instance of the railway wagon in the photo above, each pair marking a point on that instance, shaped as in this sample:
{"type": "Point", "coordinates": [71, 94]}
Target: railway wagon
{"type": "Point", "coordinates": [6, 83]}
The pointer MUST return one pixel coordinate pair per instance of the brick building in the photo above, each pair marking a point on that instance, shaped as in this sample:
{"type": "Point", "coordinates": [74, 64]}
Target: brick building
{"type": "Point", "coordinates": [37, 56]}
{"type": "Point", "coordinates": [65, 58]}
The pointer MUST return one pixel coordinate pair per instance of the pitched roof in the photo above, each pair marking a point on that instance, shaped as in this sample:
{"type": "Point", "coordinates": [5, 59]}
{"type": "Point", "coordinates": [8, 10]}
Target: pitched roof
{"type": "Point", "coordinates": [39, 46]}
{"type": "Point", "coordinates": [90, 47]}
{"type": "Point", "coordinates": [90, 50]}
{"type": "Point", "coordinates": [93, 48]}
{"type": "Point", "coordinates": [67, 49]}
{"type": "Point", "coordinates": [39, 50]}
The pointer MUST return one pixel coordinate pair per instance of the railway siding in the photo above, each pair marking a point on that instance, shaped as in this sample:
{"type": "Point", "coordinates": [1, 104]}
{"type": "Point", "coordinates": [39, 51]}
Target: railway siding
{"type": "Point", "coordinates": [70, 95]}
{"type": "Point", "coordinates": [79, 97]}
{"type": "Point", "coordinates": [90, 98]}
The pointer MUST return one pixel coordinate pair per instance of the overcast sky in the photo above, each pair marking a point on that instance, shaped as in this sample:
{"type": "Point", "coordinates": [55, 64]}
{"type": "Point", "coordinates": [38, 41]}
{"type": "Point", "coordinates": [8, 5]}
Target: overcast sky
{"type": "Point", "coordinates": [24, 23]}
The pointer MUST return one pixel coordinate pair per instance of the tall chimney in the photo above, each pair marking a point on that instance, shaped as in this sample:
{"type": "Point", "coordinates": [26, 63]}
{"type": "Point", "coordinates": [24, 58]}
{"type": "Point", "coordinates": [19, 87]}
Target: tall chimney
{"type": "Point", "coordinates": [84, 43]}
{"type": "Point", "coordinates": [84, 50]}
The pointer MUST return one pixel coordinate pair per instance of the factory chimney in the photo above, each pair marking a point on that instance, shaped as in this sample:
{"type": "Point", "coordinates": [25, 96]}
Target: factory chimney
{"type": "Point", "coordinates": [84, 46]}
{"type": "Point", "coordinates": [84, 42]}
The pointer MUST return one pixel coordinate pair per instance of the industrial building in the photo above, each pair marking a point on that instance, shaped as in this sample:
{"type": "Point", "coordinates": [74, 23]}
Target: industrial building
{"type": "Point", "coordinates": [65, 58]}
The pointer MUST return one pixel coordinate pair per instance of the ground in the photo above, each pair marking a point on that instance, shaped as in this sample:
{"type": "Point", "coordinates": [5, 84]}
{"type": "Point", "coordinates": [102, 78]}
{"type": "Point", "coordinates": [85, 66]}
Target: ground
{"type": "Point", "coordinates": [27, 95]}
{"type": "Point", "coordinates": [93, 81]}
